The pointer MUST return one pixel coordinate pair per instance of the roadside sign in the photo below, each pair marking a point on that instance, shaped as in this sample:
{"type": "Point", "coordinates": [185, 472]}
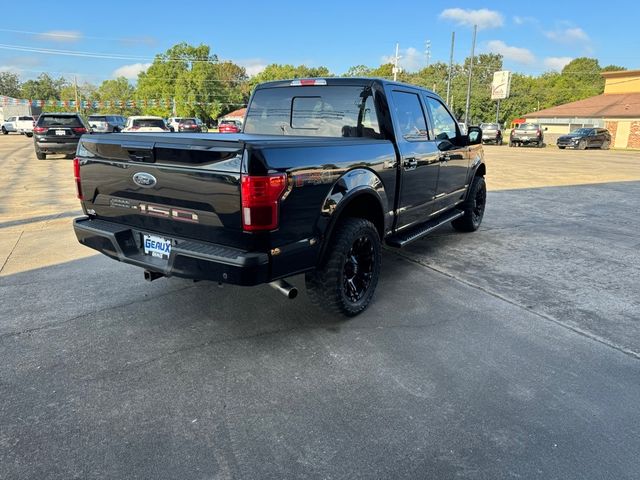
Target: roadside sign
{"type": "Point", "coordinates": [501, 85]}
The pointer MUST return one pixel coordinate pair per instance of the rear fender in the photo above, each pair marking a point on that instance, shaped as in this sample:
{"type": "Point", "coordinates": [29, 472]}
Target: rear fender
{"type": "Point", "coordinates": [356, 188]}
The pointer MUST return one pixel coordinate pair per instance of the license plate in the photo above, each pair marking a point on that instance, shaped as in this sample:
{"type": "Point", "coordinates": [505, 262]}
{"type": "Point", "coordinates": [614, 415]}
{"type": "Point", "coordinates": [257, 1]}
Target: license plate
{"type": "Point", "coordinates": [524, 138]}
{"type": "Point", "coordinates": [156, 246]}
{"type": "Point", "coordinates": [61, 132]}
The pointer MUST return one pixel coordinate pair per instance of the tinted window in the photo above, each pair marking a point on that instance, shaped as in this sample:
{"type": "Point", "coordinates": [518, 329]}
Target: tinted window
{"type": "Point", "coordinates": [26, 118]}
{"type": "Point", "coordinates": [148, 122]}
{"type": "Point", "coordinates": [188, 122]}
{"type": "Point", "coordinates": [409, 115]}
{"type": "Point", "coordinates": [530, 126]}
{"type": "Point", "coordinates": [444, 125]}
{"type": "Point", "coordinates": [97, 118]}
{"type": "Point", "coordinates": [59, 120]}
{"type": "Point", "coordinates": [319, 111]}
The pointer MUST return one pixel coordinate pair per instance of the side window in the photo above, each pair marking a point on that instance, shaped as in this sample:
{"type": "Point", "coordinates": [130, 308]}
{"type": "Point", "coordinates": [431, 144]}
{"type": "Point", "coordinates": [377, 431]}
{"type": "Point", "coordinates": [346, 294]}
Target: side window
{"type": "Point", "coordinates": [409, 115]}
{"type": "Point", "coordinates": [444, 125]}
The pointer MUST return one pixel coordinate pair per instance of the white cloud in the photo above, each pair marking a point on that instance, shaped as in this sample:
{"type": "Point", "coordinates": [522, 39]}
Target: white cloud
{"type": "Point", "coordinates": [10, 69]}
{"type": "Point", "coordinates": [516, 54]}
{"type": "Point", "coordinates": [568, 35]}
{"type": "Point", "coordinates": [130, 71]}
{"type": "Point", "coordinates": [523, 20]}
{"type": "Point", "coordinates": [484, 18]}
{"type": "Point", "coordinates": [411, 59]}
{"type": "Point", "coordinates": [68, 36]}
{"type": "Point", "coordinates": [556, 63]}
{"type": "Point", "coordinates": [253, 66]}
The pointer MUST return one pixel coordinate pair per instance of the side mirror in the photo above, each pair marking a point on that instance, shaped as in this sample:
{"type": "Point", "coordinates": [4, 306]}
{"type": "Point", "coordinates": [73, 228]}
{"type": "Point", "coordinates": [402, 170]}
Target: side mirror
{"type": "Point", "coordinates": [475, 135]}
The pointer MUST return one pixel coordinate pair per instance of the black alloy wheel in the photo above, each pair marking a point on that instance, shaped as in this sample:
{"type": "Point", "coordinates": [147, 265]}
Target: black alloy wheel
{"type": "Point", "coordinates": [346, 279]}
{"type": "Point", "coordinates": [473, 207]}
{"type": "Point", "coordinates": [358, 269]}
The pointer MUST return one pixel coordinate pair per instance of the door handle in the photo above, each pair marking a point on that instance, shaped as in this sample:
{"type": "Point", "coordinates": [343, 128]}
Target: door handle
{"type": "Point", "coordinates": [410, 163]}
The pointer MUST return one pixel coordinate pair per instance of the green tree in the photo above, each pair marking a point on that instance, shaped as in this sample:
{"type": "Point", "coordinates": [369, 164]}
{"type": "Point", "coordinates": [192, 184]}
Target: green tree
{"type": "Point", "coordinates": [9, 84]}
{"type": "Point", "coordinates": [116, 89]}
{"type": "Point", "coordinates": [43, 88]}
{"type": "Point", "coordinates": [358, 71]}
{"type": "Point", "coordinates": [170, 71]}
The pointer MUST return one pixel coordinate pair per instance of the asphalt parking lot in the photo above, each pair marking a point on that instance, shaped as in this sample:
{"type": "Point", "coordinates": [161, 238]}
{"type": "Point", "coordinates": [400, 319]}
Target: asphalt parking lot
{"type": "Point", "coordinates": [513, 352]}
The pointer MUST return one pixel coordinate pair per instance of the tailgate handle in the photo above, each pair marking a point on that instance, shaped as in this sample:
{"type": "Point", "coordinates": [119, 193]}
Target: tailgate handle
{"type": "Point", "coordinates": [140, 152]}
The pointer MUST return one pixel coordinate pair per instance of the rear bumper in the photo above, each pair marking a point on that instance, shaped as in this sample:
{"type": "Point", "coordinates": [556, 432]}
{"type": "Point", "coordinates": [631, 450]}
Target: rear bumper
{"type": "Point", "coordinates": [52, 147]}
{"type": "Point", "coordinates": [188, 259]}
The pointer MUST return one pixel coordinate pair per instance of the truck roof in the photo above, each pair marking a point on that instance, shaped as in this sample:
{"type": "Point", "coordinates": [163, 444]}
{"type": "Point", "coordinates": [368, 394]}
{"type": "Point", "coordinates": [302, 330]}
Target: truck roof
{"type": "Point", "coordinates": [354, 81]}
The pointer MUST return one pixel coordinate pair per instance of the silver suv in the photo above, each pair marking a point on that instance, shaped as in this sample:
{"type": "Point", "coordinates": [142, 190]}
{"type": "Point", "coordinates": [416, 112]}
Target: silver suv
{"type": "Point", "coordinates": [107, 123]}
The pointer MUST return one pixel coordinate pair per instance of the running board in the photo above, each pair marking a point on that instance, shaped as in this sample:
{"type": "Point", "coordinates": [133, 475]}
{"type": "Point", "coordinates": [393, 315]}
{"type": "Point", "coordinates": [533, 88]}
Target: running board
{"type": "Point", "coordinates": [404, 238]}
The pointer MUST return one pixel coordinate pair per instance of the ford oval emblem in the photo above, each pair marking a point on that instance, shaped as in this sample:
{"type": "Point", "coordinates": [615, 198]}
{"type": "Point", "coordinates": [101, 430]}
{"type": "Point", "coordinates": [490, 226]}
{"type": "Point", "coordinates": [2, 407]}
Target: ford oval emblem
{"type": "Point", "coordinates": [144, 179]}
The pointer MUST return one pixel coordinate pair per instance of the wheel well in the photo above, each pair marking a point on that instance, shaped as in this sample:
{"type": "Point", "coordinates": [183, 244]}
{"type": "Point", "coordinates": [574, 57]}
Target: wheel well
{"type": "Point", "coordinates": [481, 171]}
{"type": "Point", "coordinates": [368, 207]}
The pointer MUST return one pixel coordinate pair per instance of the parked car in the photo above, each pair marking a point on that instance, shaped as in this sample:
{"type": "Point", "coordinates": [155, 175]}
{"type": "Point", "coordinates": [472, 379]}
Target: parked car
{"type": "Point", "coordinates": [586, 138]}
{"type": "Point", "coordinates": [19, 124]}
{"type": "Point", "coordinates": [173, 123]}
{"type": "Point", "coordinates": [527, 134]}
{"type": "Point", "coordinates": [106, 123]}
{"type": "Point", "coordinates": [491, 132]}
{"type": "Point", "coordinates": [325, 171]}
{"type": "Point", "coordinates": [202, 125]}
{"type": "Point", "coordinates": [229, 126]}
{"type": "Point", "coordinates": [189, 125]}
{"type": "Point", "coordinates": [57, 133]}
{"type": "Point", "coordinates": [145, 124]}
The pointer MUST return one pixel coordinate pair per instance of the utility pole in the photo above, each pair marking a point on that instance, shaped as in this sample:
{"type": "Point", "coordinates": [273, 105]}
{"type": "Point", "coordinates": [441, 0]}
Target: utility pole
{"type": "Point", "coordinates": [427, 51]}
{"type": "Point", "coordinates": [75, 87]}
{"type": "Point", "coordinates": [473, 50]}
{"type": "Point", "coordinates": [395, 64]}
{"type": "Point", "coordinates": [453, 41]}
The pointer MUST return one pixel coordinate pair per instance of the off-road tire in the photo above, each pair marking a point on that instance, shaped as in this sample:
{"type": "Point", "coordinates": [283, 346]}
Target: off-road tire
{"type": "Point", "coordinates": [29, 135]}
{"type": "Point", "coordinates": [41, 156]}
{"type": "Point", "coordinates": [473, 207]}
{"type": "Point", "coordinates": [326, 285]}
{"type": "Point", "coordinates": [4, 131]}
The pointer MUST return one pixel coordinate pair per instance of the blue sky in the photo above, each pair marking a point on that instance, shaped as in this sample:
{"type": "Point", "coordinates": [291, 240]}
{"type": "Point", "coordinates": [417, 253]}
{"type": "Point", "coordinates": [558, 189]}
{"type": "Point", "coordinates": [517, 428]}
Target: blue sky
{"type": "Point", "coordinates": [533, 36]}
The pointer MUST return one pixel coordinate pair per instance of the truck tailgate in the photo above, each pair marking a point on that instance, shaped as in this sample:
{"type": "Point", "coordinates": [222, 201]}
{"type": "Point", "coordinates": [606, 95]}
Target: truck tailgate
{"type": "Point", "coordinates": [173, 184]}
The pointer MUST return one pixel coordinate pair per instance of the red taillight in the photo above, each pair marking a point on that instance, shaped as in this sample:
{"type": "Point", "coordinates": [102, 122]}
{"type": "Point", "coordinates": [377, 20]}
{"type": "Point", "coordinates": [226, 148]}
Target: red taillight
{"type": "Point", "coordinates": [260, 200]}
{"type": "Point", "coordinates": [79, 129]}
{"type": "Point", "coordinates": [76, 176]}
{"type": "Point", "coordinates": [40, 129]}
{"type": "Point", "coordinates": [538, 132]}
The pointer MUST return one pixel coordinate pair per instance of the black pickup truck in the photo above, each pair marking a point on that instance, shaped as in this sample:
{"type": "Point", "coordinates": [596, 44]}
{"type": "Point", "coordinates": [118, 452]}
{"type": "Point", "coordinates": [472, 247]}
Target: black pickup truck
{"type": "Point", "coordinates": [325, 171]}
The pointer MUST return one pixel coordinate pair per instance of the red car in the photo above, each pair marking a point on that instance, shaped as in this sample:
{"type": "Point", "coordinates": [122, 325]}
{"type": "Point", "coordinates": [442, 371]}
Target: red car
{"type": "Point", "coordinates": [229, 126]}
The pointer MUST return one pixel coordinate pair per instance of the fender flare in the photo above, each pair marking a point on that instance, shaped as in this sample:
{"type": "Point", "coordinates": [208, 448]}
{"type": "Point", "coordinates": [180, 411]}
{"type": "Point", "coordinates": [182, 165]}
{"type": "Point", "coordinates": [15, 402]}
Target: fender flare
{"type": "Point", "coordinates": [351, 185]}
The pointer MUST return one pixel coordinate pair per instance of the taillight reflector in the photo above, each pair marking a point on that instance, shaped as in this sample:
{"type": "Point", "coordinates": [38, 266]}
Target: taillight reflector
{"type": "Point", "coordinates": [260, 200]}
{"type": "Point", "coordinates": [79, 129]}
{"type": "Point", "coordinates": [76, 176]}
{"type": "Point", "coordinates": [40, 129]}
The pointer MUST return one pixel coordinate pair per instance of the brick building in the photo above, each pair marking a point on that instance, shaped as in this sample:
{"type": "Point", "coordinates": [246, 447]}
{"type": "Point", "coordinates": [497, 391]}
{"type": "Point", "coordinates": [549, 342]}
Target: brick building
{"type": "Point", "coordinates": [617, 109]}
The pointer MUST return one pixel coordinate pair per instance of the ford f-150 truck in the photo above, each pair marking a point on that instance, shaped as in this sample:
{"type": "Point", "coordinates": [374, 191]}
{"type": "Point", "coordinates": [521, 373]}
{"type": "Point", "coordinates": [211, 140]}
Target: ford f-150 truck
{"type": "Point", "coordinates": [324, 172]}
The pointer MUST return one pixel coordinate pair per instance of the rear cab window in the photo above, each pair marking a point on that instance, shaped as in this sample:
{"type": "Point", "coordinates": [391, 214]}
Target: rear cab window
{"type": "Point", "coordinates": [317, 111]}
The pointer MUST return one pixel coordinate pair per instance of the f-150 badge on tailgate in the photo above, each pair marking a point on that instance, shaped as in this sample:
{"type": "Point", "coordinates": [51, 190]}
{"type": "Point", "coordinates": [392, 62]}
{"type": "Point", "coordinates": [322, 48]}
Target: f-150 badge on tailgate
{"type": "Point", "coordinates": [144, 179]}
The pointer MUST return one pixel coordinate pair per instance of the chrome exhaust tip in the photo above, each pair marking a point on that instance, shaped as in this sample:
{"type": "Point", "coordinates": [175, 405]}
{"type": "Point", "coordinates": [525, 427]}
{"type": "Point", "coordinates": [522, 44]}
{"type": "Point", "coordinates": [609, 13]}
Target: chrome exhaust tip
{"type": "Point", "coordinates": [285, 288]}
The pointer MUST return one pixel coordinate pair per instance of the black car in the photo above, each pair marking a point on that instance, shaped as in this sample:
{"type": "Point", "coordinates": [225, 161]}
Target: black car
{"type": "Point", "coordinates": [57, 133]}
{"type": "Point", "coordinates": [586, 138]}
{"type": "Point", "coordinates": [189, 125]}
